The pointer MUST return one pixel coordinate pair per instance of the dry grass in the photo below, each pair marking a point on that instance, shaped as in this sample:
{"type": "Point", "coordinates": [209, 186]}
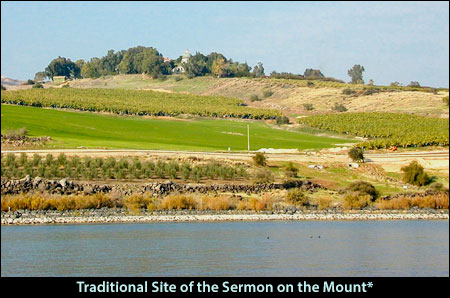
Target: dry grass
{"type": "Point", "coordinates": [439, 201]}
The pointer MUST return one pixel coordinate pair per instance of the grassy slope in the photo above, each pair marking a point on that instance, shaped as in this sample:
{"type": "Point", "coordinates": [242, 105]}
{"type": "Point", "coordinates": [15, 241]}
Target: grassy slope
{"type": "Point", "coordinates": [288, 95]}
{"type": "Point", "coordinates": [72, 129]}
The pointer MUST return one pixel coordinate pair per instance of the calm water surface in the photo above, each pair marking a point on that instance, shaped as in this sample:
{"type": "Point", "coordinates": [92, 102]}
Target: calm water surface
{"type": "Point", "coordinates": [365, 248]}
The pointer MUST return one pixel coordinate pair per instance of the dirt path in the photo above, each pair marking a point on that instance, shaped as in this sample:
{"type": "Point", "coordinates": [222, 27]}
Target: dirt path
{"type": "Point", "coordinates": [391, 162]}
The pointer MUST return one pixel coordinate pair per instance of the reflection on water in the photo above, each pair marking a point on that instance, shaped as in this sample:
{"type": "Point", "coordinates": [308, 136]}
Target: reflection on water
{"type": "Point", "coordinates": [366, 248]}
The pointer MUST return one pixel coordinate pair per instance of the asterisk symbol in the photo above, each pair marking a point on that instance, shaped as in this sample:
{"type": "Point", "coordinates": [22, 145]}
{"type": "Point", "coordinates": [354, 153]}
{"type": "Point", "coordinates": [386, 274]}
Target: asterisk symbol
{"type": "Point", "coordinates": [370, 284]}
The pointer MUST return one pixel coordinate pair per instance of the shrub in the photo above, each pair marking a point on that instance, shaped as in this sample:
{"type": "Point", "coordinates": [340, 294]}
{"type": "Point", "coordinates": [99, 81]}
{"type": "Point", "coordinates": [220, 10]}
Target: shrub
{"type": "Point", "coordinates": [178, 202]}
{"type": "Point", "coordinates": [38, 85]}
{"type": "Point", "coordinates": [254, 97]}
{"type": "Point", "coordinates": [356, 154]}
{"type": "Point", "coordinates": [297, 197]}
{"type": "Point", "coordinates": [177, 79]}
{"type": "Point", "coordinates": [282, 120]}
{"type": "Point", "coordinates": [363, 188]}
{"type": "Point", "coordinates": [290, 170]}
{"type": "Point", "coordinates": [445, 100]}
{"type": "Point", "coordinates": [16, 133]}
{"type": "Point", "coordinates": [348, 91]}
{"type": "Point", "coordinates": [267, 93]}
{"type": "Point", "coordinates": [339, 108]}
{"type": "Point", "coordinates": [3, 87]}
{"type": "Point", "coordinates": [308, 106]}
{"type": "Point", "coordinates": [309, 84]}
{"type": "Point", "coordinates": [356, 200]}
{"type": "Point", "coordinates": [260, 159]}
{"type": "Point", "coordinates": [264, 176]}
{"type": "Point", "coordinates": [414, 174]}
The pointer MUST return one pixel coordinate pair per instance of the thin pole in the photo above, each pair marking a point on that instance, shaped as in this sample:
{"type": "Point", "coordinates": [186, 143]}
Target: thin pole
{"type": "Point", "coordinates": [248, 138]}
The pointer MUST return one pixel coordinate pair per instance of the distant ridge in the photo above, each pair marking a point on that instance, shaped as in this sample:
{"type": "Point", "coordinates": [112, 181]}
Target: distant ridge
{"type": "Point", "coordinates": [11, 82]}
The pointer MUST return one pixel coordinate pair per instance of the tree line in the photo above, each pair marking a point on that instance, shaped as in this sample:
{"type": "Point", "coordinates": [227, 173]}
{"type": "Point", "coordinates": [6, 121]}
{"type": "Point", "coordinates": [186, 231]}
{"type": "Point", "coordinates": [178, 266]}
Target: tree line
{"type": "Point", "coordinates": [150, 61]}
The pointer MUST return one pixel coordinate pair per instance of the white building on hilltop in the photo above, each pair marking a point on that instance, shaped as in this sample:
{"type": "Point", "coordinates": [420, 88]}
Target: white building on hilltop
{"type": "Point", "coordinates": [184, 59]}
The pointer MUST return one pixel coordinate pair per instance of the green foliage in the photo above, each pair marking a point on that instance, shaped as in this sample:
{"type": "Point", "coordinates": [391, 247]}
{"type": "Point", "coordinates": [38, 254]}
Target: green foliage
{"type": "Point", "coordinates": [136, 102]}
{"type": "Point", "coordinates": [308, 106]}
{"type": "Point", "coordinates": [267, 93]}
{"type": "Point", "coordinates": [356, 75]}
{"type": "Point", "coordinates": [385, 129]}
{"type": "Point", "coordinates": [313, 73]}
{"type": "Point", "coordinates": [258, 70]}
{"type": "Point", "coordinates": [282, 120]}
{"type": "Point", "coordinates": [263, 176]}
{"type": "Point", "coordinates": [290, 170]}
{"type": "Point", "coordinates": [356, 154]}
{"type": "Point", "coordinates": [254, 97]}
{"type": "Point", "coordinates": [62, 67]}
{"type": "Point", "coordinates": [415, 174]}
{"type": "Point", "coordinates": [297, 197]}
{"type": "Point", "coordinates": [260, 159]}
{"type": "Point", "coordinates": [348, 91]}
{"type": "Point", "coordinates": [38, 86]}
{"type": "Point", "coordinates": [339, 108]}
{"type": "Point", "coordinates": [363, 188]}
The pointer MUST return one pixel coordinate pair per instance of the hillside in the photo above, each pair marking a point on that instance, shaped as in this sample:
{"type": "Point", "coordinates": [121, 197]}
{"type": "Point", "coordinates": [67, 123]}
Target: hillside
{"type": "Point", "coordinates": [288, 96]}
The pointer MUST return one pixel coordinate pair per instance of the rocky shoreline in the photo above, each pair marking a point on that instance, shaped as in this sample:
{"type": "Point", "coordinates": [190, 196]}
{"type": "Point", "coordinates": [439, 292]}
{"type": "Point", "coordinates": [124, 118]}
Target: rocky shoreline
{"type": "Point", "coordinates": [105, 215]}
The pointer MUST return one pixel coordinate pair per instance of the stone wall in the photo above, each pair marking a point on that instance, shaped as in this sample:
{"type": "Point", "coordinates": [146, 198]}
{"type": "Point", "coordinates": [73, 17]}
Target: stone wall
{"type": "Point", "coordinates": [63, 186]}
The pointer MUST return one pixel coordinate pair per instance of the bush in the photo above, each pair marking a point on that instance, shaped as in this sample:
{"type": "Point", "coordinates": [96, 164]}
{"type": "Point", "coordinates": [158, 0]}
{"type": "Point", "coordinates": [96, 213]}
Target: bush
{"type": "Point", "coordinates": [267, 93]}
{"type": "Point", "coordinates": [38, 85]}
{"type": "Point", "coordinates": [355, 200]}
{"type": "Point", "coordinates": [356, 154]}
{"type": "Point", "coordinates": [3, 87]}
{"type": "Point", "coordinates": [363, 188]}
{"type": "Point", "coordinates": [282, 120]}
{"type": "Point", "coordinates": [348, 91]}
{"type": "Point", "coordinates": [339, 108]}
{"type": "Point", "coordinates": [309, 84]}
{"type": "Point", "coordinates": [177, 79]}
{"type": "Point", "coordinates": [414, 174]}
{"type": "Point", "coordinates": [178, 202]}
{"type": "Point", "coordinates": [264, 176]}
{"type": "Point", "coordinates": [16, 133]}
{"type": "Point", "coordinates": [297, 197]}
{"type": "Point", "coordinates": [308, 106]}
{"type": "Point", "coordinates": [254, 97]}
{"type": "Point", "coordinates": [445, 100]}
{"type": "Point", "coordinates": [290, 170]}
{"type": "Point", "coordinates": [260, 159]}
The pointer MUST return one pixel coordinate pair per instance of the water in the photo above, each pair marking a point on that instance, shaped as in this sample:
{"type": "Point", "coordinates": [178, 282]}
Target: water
{"type": "Point", "coordinates": [365, 248]}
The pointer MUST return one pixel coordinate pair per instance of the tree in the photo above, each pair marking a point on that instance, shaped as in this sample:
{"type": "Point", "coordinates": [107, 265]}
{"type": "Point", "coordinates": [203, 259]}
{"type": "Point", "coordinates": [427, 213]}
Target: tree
{"type": "Point", "coordinates": [260, 159]}
{"type": "Point", "coordinates": [40, 76]}
{"type": "Point", "coordinates": [415, 174]}
{"type": "Point", "coordinates": [414, 84]}
{"type": "Point", "coordinates": [62, 67]}
{"type": "Point", "coordinates": [258, 70]}
{"type": "Point", "coordinates": [356, 75]}
{"type": "Point", "coordinates": [356, 154]}
{"type": "Point", "coordinates": [197, 65]}
{"type": "Point", "coordinates": [313, 73]}
{"type": "Point", "coordinates": [218, 67]}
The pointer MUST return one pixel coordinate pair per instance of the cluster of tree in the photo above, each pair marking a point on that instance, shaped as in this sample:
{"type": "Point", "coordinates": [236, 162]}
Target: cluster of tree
{"type": "Point", "coordinates": [218, 65]}
{"type": "Point", "coordinates": [149, 61]}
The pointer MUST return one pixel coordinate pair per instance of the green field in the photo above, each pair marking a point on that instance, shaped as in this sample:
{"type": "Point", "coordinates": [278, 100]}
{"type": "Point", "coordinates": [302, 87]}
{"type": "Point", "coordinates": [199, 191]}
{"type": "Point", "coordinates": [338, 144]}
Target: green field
{"type": "Point", "coordinates": [90, 130]}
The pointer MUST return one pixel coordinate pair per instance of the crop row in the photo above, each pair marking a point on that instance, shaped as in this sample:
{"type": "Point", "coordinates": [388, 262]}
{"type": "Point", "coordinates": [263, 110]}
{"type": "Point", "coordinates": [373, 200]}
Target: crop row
{"type": "Point", "coordinates": [136, 102]}
{"type": "Point", "coordinates": [385, 129]}
{"type": "Point", "coordinates": [110, 168]}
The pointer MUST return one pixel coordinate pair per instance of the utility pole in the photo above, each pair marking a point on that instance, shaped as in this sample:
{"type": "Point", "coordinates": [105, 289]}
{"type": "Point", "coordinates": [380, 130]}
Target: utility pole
{"type": "Point", "coordinates": [248, 138]}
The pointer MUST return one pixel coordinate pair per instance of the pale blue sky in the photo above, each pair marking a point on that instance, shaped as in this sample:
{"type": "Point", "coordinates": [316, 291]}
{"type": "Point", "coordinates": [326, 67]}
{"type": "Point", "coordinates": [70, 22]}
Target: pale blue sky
{"type": "Point", "coordinates": [394, 41]}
